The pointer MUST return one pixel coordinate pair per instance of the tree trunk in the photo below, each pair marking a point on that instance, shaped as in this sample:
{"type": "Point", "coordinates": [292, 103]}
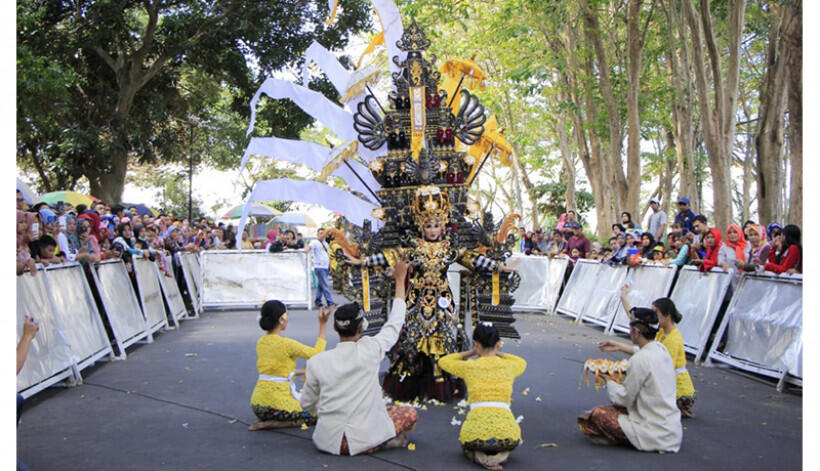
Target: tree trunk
{"type": "Point", "coordinates": [615, 163]}
{"type": "Point", "coordinates": [568, 173]}
{"type": "Point", "coordinates": [633, 149]}
{"type": "Point", "coordinates": [793, 52]}
{"type": "Point", "coordinates": [718, 121]}
{"type": "Point", "coordinates": [769, 135]}
{"type": "Point", "coordinates": [682, 108]}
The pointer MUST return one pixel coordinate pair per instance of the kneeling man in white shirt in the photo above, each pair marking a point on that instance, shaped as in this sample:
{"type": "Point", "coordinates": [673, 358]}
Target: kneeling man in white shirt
{"type": "Point", "coordinates": [342, 385]}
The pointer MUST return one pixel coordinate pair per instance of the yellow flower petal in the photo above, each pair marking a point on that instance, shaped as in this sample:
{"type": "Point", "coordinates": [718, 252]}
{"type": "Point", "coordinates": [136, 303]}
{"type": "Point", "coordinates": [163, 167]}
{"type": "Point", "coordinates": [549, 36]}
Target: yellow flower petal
{"type": "Point", "coordinates": [411, 446]}
{"type": "Point", "coordinates": [304, 427]}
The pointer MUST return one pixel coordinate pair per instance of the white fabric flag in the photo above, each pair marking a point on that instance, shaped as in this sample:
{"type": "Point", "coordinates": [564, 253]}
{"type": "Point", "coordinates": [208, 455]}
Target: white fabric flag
{"type": "Point", "coordinates": [393, 29]}
{"type": "Point", "coordinates": [314, 156]}
{"type": "Point", "coordinates": [329, 64]}
{"type": "Point", "coordinates": [331, 115]}
{"type": "Point", "coordinates": [354, 209]}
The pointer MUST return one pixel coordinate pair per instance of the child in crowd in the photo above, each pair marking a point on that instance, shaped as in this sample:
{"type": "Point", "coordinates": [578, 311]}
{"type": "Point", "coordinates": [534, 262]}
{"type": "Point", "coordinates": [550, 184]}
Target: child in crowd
{"type": "Point", "coordinates": [657, 253]}
{"type": "Point", "coordinates": [574, 255]}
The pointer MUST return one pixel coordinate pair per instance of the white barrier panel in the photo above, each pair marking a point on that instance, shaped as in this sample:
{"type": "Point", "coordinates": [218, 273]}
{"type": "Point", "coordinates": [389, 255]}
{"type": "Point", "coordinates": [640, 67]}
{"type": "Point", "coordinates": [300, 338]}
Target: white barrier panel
{"type": "Point", "coordinates": [172, 295]}
{"type": "Point", "coordinates": [234, 279]}
{"type": "Point", "coordinates": [698, 297]}
{"type": "Point", "coordinates": [764, 323]}
{"type": "Point", "coordinates": [78, 317]}
{"type": "Point", "coordinates": [187, 263]}
{"type": "Point", "coordinates": [120, 303]}
{"type": "Point", "coordinates": [149, 294]}
{"type": "Point", "coordinates": [49, 359]}
{"type": "Point", "coordinates": [603, 297]}
{"type": "Point", "coordinates": [579, 286]}
{"type": "Point", "coordinates": [646, 284]}
{"type": "Point", "coordinates": [541, 279]}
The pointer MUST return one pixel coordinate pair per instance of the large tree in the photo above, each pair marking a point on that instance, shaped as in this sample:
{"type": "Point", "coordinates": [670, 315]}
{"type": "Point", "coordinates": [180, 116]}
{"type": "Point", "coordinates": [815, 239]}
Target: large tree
{"type": "Point", "coordinates": [119, 68]}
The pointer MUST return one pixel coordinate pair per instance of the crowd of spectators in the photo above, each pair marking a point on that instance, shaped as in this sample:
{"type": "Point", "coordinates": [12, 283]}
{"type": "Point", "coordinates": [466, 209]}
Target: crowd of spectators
{"type": "Point", "coordinates": [688, 241]}
{"type": "Point", "coordinates": [55, 234]}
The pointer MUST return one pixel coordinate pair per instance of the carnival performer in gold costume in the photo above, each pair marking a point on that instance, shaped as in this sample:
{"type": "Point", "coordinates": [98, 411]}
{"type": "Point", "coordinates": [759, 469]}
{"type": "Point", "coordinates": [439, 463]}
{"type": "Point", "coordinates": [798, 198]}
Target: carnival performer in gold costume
{"type": "Point", "coordinates": [432, 329]}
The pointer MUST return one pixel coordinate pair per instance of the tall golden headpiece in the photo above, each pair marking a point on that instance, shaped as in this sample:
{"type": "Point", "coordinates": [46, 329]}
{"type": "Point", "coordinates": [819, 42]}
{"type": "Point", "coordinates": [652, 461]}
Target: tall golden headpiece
{"type": "Point", "coordinates": [430, 204]}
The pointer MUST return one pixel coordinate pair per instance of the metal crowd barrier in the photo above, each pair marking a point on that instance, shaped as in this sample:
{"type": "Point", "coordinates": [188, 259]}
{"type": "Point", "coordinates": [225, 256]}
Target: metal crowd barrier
{"type": "Point", "coordinates": [698, 297]}
{"type": "Point", "coordinates": [49, 359]}
{"type": "Point", "coordinates": [576, 292]}
{"type": "Point", "coordinates": [646, 284]}
{"type": "Point", "coordinates": [239, 280]}
{"type": "Point", "coordinates": [190, 269]}
{"type": "Point", "coordinates": [71, 333]}
{"type": "Point", "coordinates": [764, 326]}
{"type": "Point", "coordinates": [120, 304]}
{"type": "Point", "coordinates": [541, 280]}
{"type": "Point", "coordinates": [150, 295]}
{"type": "Point", "coordinates": [79, 319]}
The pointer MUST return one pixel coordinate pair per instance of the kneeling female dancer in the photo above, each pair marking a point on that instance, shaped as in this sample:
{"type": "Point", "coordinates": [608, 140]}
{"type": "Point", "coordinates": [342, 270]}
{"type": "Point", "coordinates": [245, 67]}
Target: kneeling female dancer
{"type": "Point", "coordinates": [670, 337]}
{"type": "Point", "coordinates": [490, 431]}
{"type": "Point", "coordinates": [275, 400]}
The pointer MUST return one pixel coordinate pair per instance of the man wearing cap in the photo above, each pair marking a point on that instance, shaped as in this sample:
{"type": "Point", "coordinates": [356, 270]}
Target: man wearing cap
{"type": "Point", "coordinates": [578, 240]}
{"type": "Point", "coordinates": [644, 412]}
{"type": "Point", "coordinates": [685, 216]}
{"type": "Point", "coordinates": [657, 220]}
{"type": "Point", "coordinates": [342, 385]}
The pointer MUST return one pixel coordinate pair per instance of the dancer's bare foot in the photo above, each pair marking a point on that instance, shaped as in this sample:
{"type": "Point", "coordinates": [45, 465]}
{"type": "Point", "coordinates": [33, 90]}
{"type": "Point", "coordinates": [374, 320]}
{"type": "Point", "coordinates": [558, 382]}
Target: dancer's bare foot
{"type": "Point", "coordinates": [491, 462]}
{"type": "Point", "coordinates": [399, 441]}
{"type": "Point", "coordinates": [269, 424]}
{"type": "Point", "coordinates": [603, 441]}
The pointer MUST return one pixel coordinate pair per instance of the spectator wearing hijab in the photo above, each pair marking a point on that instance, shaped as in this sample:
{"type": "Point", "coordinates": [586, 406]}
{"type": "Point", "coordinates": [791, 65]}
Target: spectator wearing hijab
{"type": "Point", "coordinates": [788, 256]}
{"type": "Point", "coordinates": [734, 249]}
{"type": "Point", "coordinates": [647, 245]}
{"type": "Point", "coordinates": [67, 239]}
{"type": "Point", "coordinates": [757, 249]}
{"type": "Point", "coordinates": [24, 260]}
{"type": "Point", "coordinates": [712, 242]}
{"type": "Point", "coordinates": [626, 220]}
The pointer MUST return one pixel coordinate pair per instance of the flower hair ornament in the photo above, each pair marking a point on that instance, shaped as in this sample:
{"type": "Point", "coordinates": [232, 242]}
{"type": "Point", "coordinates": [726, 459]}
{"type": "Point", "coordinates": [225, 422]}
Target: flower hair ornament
{"type": "Point", "coordinates": [342, 324]}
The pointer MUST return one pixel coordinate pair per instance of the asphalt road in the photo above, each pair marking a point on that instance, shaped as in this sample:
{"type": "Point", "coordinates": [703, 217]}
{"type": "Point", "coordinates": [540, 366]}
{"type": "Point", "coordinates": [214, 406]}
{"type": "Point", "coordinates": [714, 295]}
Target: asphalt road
{"type": "Point", "coordinates": [183, 403]}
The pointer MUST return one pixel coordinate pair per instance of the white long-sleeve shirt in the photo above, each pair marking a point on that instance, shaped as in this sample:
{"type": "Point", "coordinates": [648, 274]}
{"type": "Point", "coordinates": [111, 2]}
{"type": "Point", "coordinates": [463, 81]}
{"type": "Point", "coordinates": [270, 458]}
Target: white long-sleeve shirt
{"type": "Point", "coordinates": [342, 388]}
{"type": "Point", "coordinates": [649, 393]}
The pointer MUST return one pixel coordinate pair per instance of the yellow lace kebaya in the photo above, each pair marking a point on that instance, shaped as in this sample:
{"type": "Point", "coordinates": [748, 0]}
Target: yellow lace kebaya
{"type": "Point", "coordinates": [489, 380]}
{"type": "Point", "coordinates": [673, 341]}
{"type": "Point", "coordinates": [276, 357]}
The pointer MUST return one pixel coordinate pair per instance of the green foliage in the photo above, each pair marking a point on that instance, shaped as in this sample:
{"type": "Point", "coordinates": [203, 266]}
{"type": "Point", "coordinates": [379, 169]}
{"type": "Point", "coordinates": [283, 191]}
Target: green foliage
{"type": "Point", "coordinates": [101, 81]}
{"type": "Point", "coordinates": [551, 201]}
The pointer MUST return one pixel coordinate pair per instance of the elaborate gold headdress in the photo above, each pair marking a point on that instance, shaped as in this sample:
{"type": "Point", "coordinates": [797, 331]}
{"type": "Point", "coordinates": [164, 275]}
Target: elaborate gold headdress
{"type": "Point", "coordinates": [430, 204]}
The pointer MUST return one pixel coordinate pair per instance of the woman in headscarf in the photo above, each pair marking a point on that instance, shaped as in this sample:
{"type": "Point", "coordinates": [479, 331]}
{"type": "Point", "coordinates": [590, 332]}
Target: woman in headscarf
{"type": "Point", "coordinates": [124, 244]}
{"type": "Point", "coordinates": [712, 242]}
{"type": "Point", "coordinates": [271, 235]}
{"type": "Point", "coordinates": [88, 251]}
{"type": "Point", "coordinates": [757, 249]}
{"type": "Point", "coordinates": [24, 260]}
{"type": "Point", "coordinates": [141, 243]}
{"type": "Point", "coordinates": [95, 224]}
{"type": "Point", "coordinates": [67, 239]}
{"type": "Point", "coordinates": [734, 249]}
{"type": "Point", "coordinates": [647, 245]}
